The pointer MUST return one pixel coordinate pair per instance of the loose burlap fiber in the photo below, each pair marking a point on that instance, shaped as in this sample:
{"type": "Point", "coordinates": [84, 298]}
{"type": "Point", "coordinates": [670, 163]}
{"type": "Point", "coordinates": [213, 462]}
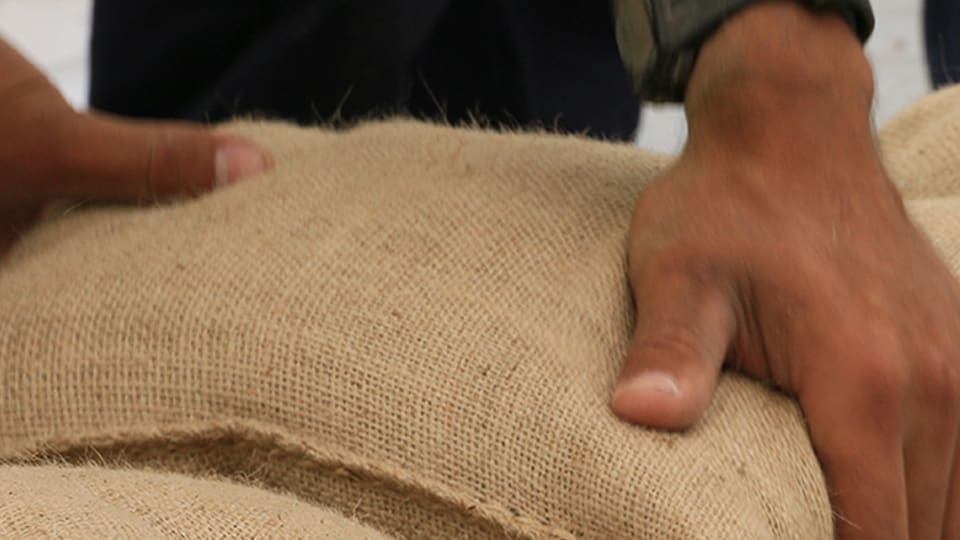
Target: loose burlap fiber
{"type": "Point", "coordinates": [90, 502]}
{"type": "Point", "coordinates": [416, 325]}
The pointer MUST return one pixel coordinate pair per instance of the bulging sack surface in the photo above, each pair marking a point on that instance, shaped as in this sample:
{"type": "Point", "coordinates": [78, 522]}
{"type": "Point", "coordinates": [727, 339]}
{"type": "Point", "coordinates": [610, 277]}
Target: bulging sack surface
{"type": "Point", "coordinates": [417, 325]}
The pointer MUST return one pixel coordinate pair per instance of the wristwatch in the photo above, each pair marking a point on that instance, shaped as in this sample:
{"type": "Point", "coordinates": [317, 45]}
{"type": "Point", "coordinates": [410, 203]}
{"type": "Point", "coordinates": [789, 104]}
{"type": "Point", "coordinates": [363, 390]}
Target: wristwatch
{"type": "Point", "coordinates": [659, 39]}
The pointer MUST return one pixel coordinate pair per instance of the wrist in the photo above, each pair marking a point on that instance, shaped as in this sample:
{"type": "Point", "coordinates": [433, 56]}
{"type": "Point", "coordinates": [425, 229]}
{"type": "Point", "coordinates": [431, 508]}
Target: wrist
{"type": "Point", "coordinates": [778, 64]}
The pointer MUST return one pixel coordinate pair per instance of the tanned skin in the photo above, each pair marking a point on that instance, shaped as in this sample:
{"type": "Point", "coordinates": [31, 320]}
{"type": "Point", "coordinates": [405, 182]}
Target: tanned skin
{"type": "Point", "coordinates": [776, 243]}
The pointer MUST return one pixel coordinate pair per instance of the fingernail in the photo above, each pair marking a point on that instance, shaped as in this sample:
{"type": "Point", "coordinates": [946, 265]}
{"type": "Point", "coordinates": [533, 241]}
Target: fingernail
{"type": "Point", "coordinates": [237, 160]}
{"type": "Point", "coordinates": [650, 382]}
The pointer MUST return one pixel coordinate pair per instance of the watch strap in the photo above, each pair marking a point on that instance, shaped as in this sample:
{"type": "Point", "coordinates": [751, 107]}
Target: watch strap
{"type": "Point", "coordinates": [660, 39]}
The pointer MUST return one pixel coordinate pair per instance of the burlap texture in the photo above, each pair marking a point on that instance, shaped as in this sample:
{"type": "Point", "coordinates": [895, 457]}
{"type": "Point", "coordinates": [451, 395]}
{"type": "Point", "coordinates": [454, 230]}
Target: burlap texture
{"type": "Point", "coordinates": [417, 325]}
{"type": "Point", "coordinates": [90, 502]}
{"type": "Point", "coordinates": [921, 146]}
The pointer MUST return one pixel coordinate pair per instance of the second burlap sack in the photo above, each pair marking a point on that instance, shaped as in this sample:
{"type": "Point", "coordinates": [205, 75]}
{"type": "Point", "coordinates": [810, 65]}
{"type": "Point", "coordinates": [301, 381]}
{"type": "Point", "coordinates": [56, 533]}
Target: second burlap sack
{"type": "Point", "coordinates": [92, 503]}
{"type": "Point", "coordinates": [417, 325]}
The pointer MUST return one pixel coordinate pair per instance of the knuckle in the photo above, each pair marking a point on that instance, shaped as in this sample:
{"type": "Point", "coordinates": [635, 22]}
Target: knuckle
{"type": "Point", "coordinates": [884, 380]}
{"type": "Point", "coordinates": [156, 149]}
{"type": "Point", "coordinates": [59, 150]}
{"type": "Point", "coordinates": [690, 263]}
{"type": "Point", "coordinates": [161, 164]}
{"type": "Point", "coordinates": [941, 386]}
{"type": "Point", "coordinates": [669, 339]}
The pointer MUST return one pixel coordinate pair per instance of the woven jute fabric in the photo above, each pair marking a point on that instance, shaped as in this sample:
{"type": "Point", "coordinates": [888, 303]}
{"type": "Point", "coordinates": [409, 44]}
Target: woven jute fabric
{"type": "Point", "coordinates": [417, 325]}
{"type": "Point", "coordinates": [91, 502]}
{"type": "Point", "coordinates": [921, 147]}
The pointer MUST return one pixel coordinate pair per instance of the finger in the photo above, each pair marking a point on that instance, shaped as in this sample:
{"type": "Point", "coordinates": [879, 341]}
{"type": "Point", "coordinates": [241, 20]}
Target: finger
{"type": "Point", "coordinates": [866, 479]}
{"type": "Point", "coordinates": [951, 513]}
{"type": "Point", "coordinates": [111, 158]}
{"type": "Point", "coordinates": [929, 456]}
{"type": "Point", "coordinates": [951, 524]}
{"type": "Point", "coordinates": [852, 398]}
{"type": "Point", "coordinates": [685, 324]}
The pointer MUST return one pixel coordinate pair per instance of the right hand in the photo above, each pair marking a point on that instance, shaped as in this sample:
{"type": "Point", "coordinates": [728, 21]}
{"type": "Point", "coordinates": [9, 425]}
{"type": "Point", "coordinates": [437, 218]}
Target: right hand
{"type": "Point", "coordinates": [52, 152]}
{"type": "Point", "coordinates": [777, 244]}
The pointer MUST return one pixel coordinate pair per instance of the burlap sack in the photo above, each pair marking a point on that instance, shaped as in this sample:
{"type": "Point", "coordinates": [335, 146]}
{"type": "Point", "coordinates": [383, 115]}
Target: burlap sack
{"type": "Point", "coordinates": [420, 326]}
{"type": "Point", "coordinates": [90, 502]}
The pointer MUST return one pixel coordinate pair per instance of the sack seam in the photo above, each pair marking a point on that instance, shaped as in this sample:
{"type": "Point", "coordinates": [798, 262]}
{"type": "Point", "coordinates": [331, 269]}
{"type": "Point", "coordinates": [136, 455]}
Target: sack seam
{"type": "Point", "coordinates": [315, 457]}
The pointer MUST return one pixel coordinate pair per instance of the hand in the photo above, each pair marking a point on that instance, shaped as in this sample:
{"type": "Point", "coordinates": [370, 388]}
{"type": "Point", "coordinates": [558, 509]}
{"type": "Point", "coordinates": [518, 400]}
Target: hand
{"type": "Point", "coordinates": [777, 244]}
{"type": "Point", "coordinates": [52, 152]}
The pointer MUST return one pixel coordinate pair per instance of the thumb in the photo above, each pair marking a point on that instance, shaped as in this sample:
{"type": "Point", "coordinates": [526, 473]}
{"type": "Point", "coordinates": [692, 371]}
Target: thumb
{"type": "Point", "coordinates": [106, 157]}
{"type": "Point", "coordinates": [685, 323]}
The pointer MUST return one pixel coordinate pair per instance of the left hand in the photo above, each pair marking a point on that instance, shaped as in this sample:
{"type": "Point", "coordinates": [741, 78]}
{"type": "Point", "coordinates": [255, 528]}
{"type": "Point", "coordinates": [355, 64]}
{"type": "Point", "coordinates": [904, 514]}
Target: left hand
{"type": "Point", "coordinates": [51, 152]}
{"type": "Point", "coordinates": [777, 244]}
